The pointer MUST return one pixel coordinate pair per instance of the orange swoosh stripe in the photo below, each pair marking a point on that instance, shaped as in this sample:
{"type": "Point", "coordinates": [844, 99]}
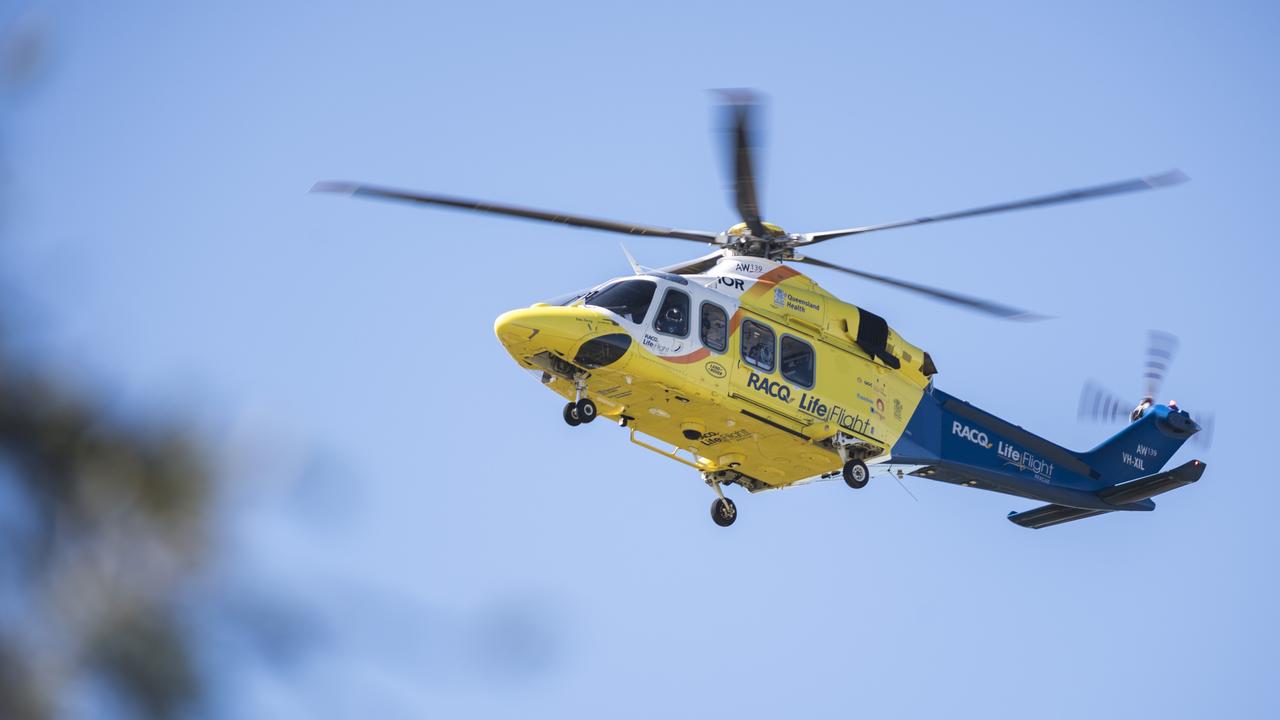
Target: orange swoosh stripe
{"type": "Point", "coordinates": [692, 357]}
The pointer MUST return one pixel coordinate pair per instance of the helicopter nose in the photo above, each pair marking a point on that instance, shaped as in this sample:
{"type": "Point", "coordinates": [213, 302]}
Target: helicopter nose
{"type": "Point", "coordinates": [573, 333]}
{"type": "Point", "coordinates": [547, 326]}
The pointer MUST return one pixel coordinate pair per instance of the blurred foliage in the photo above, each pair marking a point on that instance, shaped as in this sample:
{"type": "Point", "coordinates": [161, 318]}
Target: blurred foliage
{"type": "Point", "coordinates": [112, 601]}
{"type": "Point", "coordinates": [103, 524]}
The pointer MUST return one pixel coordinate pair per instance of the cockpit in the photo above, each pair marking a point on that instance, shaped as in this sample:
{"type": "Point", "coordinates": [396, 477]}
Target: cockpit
{"type": "Point", "coordinates": [628, 299]}
{"type": "Point", "coordinates": [667, 305]}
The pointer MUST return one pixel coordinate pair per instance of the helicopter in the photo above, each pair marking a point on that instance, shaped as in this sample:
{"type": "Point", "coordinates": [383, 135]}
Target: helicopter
{"type": "Point", "coordinates": [749, 373]}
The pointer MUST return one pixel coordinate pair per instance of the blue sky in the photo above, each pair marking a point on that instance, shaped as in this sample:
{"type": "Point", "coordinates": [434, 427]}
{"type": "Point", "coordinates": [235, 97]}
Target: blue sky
{"type": "Point", "coordinates": [343, 350]}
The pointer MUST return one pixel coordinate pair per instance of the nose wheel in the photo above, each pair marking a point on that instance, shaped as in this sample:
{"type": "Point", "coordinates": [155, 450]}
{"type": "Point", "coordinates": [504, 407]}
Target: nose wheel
{"type": "Point", "coordinates": [577, 413]}
{"type": "Point", "coordinates": [571, 415]}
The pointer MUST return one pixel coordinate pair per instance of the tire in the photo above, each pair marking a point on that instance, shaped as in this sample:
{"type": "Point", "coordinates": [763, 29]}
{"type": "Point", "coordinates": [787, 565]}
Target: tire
{"type": "Point", "coordinates": [723, 512]}
{"type": "Point", "coordinates": [856, 474]}
{"type": "Point", "coordinates": [571, 415]}
{"type": "Point", "coordinates": [586, 411]}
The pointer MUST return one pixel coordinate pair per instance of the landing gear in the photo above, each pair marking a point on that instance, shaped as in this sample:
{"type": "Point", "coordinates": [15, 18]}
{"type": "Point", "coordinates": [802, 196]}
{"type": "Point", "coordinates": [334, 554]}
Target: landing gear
{"type": "Point", "coordinates": [852, 451]}
{"type": "Point", "coordinates": [856, 474]}
{"type": "Point", "coordinates": [581, 409]}
{"type": "Point", "coordinates": [571, 415]}
{"type": "Point", "coordinates": [723, 511]}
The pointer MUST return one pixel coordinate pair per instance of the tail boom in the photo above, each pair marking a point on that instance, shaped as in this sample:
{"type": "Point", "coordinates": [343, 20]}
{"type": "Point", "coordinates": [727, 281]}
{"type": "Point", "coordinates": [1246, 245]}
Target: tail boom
{"type": "Point", "coordinates": [953, 441]}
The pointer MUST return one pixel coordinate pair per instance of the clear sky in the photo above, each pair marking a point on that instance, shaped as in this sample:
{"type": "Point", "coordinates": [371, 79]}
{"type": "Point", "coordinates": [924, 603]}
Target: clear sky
{"type": "Point", "coordinates": [472, 555]}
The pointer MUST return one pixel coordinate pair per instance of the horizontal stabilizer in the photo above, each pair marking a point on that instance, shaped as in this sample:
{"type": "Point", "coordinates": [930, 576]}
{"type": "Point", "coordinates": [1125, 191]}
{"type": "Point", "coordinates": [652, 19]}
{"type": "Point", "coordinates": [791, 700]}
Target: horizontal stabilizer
{"type": "Point", "coordinates": [1047, 515]}
{"type": "Point", "coordinates": [1152, 485]}
{"type": "Point", "coordinates": [1122, 495]}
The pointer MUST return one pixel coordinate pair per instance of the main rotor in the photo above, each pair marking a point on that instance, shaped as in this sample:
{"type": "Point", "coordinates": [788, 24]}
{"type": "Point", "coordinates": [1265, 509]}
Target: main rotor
{"type": "Point", "coordinates": [756, 238]}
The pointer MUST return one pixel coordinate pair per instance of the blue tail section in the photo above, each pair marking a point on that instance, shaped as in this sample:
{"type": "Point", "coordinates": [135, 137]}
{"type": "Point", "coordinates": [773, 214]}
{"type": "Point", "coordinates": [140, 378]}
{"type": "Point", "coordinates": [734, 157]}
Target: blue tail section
{"type": "Point", "coordinates": [966, 445]}
{"type": "Point", "coordinates": [1142, 448]}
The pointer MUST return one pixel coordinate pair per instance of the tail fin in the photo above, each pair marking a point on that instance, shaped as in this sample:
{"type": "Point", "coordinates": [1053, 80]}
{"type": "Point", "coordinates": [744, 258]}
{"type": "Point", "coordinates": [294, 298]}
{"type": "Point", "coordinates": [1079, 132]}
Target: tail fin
{"type": "Point", "coordinates": [1144, 447]}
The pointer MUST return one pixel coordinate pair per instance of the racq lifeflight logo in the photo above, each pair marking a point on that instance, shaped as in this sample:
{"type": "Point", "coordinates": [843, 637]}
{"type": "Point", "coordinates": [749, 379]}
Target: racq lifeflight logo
{"type": "Point", "coordinates": [1020, 459]}
{"type": "Point", "coordinates": [811, 405]}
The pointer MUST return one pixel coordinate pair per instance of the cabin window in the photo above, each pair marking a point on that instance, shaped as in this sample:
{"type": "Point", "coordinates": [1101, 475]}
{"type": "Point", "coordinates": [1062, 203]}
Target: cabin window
{"type": "Point", "coordinates": [757, 345]}
{"type": "Point", "coordinates": [797, 361]}
{"type": "Point", "coordinates": [715, 327]}
{"type": "Point", "coordinates": [629, 299]}
{"type": "Point", "coordinates": [673, 314]}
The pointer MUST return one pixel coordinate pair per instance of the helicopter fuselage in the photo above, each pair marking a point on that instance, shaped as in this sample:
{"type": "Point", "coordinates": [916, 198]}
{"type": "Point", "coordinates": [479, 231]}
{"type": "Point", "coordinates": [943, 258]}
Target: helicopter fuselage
{"type": "Point", "coordinates": [750, 368]}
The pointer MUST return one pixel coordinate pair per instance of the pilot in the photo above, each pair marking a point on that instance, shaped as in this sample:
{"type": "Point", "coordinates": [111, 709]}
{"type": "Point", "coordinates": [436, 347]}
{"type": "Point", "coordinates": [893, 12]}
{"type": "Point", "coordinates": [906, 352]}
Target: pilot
{"type": "Point", "coordinates": [672, 321]}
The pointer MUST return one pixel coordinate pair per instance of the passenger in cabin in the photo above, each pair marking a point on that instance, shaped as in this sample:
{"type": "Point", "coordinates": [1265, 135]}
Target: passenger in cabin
{"type": "Point", "coordinates": [759, 350]}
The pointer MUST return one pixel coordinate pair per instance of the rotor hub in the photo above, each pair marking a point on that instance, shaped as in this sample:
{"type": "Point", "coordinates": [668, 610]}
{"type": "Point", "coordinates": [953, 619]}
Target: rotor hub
{"type": "Point", "coordinates": [741, 230]}
{"type": "Point", "coordinates": [775, 245]}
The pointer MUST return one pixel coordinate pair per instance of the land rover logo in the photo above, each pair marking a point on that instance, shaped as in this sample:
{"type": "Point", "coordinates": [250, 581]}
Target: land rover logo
{"type": "Point", "coordinates": [716, 370]}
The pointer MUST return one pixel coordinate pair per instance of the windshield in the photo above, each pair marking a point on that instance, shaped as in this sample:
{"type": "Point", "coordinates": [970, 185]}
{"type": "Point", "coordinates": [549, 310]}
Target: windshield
{"type": "Point", "coordinates": [567, 298]}
{"type": "Point", "coordinates": [629, 299]}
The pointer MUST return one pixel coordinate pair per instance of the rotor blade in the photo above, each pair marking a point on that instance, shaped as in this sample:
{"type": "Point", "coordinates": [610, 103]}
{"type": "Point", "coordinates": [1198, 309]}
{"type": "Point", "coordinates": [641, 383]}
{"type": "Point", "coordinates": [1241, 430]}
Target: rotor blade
{"type": "Point", "coordinates": [1100, 405]}
{"type": "Point", "coordinates": [373, 191]}
{"type": "Point", "coordinates": [741, 107]}
{"type": "Point", "coordinates": [1166, 179]}
{"type": "Point", "coordinates": [1160, 349]}
{"type": "Point", "coordinates": [972, 303]}
{"type": "Point", "coordinates": [1204, 438]}
{"type": "Point", "coordinates": [696, 266]}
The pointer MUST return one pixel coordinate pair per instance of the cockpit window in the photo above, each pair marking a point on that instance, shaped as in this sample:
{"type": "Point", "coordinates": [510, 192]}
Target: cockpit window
{"type": "Point", "coordinates": [673, 315]}
{"type": "Point", "coordinates": [628, 298]}
{"type": "Point", "coordinates": [568, 298]}
{"type": "Point", "coordinates": [757, 345]}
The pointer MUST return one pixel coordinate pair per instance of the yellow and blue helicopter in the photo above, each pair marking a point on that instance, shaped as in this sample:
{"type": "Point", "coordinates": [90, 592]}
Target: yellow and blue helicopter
{"type": "Point", "coordinates": [750, 373]}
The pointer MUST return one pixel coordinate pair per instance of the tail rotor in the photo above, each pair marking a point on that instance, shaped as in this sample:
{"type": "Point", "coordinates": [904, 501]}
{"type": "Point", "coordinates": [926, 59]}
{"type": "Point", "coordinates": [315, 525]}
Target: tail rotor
{"type": "Point", "coordinates": [1099, 404]}
{"type": "Point", "coordinates": [1161, 347]}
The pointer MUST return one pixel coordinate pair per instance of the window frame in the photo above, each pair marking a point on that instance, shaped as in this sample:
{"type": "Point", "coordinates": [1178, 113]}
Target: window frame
{"type": "Point", "coordinates": [701, 310]}
{"type": "Point", "coordinates": [813, 356]}
{"type": "Point", "coordinates": [742, 350]}
{"type": "Point", "coordinates": [688, 325]}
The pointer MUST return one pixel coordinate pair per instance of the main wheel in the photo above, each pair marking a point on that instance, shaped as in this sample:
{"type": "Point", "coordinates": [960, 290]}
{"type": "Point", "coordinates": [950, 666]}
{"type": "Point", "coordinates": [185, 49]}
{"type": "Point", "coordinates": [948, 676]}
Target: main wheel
{"type": "Point", "coordinates": [856, 474]}
{"type": "Point", "coordinates": [571, 415]}
{"type": "Point", "coordinates": [723, 512]}
{"type": "Point", "coordinates": [586, 410]}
